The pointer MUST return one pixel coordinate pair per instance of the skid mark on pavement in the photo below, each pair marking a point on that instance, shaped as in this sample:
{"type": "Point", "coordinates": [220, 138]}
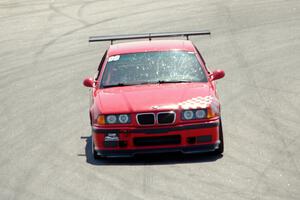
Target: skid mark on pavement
{"type": "Point", "coordinates": [59, 12]}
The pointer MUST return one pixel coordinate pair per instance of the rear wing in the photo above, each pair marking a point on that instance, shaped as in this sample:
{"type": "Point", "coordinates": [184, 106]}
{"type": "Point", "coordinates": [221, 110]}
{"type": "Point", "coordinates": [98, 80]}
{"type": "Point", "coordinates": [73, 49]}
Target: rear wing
{"type": "Point", "coordinates": [149, 36]}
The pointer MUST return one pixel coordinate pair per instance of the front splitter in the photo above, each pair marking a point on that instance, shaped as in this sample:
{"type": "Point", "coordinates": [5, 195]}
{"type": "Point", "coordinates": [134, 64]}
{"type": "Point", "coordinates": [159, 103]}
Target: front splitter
{"type": "Point", "coordinates": [185, 150]}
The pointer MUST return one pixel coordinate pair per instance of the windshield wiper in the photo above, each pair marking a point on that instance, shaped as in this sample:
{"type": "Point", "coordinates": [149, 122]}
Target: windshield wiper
{"type": "Point", "coordinates": [174, 81]}
{"type": "Point", "coordinates": [162, 81]}
{"type": "Point", "coordinates": [148, 82]}
{"type": "Point", "coordinates": [116, 85]}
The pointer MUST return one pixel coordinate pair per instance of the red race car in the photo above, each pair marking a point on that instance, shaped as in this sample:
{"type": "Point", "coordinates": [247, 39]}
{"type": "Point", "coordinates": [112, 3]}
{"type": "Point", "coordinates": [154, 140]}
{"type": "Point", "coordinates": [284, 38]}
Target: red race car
{"type": "Point", "coordinates": [154, 96]}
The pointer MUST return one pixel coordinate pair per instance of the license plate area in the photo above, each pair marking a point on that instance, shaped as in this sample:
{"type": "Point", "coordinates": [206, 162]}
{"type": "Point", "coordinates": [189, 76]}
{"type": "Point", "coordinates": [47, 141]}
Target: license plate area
{"type": "Point", "coordinates": [157, 140]}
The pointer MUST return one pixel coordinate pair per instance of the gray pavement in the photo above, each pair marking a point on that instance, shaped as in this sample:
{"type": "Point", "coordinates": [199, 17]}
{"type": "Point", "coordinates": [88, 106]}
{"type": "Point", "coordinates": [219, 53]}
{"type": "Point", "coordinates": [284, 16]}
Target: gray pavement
{"type": "Point", "coordinates": [45, 131]}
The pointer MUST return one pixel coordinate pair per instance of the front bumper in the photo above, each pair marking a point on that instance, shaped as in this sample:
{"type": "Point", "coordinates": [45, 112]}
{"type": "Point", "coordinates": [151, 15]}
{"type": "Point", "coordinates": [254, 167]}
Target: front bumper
{"type": "Point", "coordinates": [185, 150]}
{"type": "Point", "coordinates": [188, 138]}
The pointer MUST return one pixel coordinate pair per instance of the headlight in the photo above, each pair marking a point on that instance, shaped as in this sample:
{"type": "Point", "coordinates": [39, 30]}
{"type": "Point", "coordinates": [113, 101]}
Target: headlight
{"type": "Point", "coordinates": [111, 119]}
{"type": "Point", "coordinates": [123, 119]}
{"type": "Point", "coordinates": [200, 114]}
{"type": "Point", "coordinates": [188, 114]}
{"type": "Point", "coordinates": [194, 114]}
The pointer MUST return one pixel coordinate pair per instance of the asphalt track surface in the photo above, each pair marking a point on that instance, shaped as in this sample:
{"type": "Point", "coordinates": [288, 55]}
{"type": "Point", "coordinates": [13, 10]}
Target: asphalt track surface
{"type": "Point", "coordinates": [44, 143]}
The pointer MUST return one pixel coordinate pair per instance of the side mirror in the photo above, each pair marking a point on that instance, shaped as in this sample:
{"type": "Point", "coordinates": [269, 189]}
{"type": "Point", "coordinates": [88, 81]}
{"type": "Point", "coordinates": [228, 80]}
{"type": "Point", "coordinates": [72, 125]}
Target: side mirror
{"type": "Point", "coordinates": [88, 82]}
{"type": "Point", "coordinates": [217, 74]}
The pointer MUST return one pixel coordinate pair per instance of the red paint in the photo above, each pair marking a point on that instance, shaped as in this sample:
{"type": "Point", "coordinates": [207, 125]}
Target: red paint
{"type": "Point", "coordinates": [217, 74]}
{"type": "Point", "coordinates": [88, 82]}
{"type": "Point", "coordinates": [142, 98]}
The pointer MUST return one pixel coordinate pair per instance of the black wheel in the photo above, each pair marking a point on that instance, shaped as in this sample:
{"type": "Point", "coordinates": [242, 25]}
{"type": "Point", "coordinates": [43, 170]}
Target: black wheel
{"type": "Point", "coordinates": [220, 150]}
{"type": "Point", "coordinates": [95, 155]}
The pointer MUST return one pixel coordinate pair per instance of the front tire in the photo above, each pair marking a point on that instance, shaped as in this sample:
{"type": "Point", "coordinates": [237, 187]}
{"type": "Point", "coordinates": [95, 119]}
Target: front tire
{"type": "Point", "coordinates": [220, 150]}
{"type": "Point", "coordinates": [95, 155]}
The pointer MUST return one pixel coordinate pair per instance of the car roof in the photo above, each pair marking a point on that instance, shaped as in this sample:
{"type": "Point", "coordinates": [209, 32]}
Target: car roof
{"type": "Point", "coordinates": [153, 45]}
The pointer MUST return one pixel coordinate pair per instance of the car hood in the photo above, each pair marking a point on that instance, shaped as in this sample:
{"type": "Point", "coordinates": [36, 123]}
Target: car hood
{"type": "Point", "coordinates": [154, 97]}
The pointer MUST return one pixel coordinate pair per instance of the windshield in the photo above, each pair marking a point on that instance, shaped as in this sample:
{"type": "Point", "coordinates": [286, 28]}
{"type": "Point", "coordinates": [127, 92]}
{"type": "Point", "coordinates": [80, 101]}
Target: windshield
{"type": "Point", "coordinates": [151, 68]}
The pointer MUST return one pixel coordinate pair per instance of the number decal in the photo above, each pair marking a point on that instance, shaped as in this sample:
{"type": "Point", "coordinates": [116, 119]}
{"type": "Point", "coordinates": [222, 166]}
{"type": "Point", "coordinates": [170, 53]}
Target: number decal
{"type": "Point", "coordinates": [114, 58]}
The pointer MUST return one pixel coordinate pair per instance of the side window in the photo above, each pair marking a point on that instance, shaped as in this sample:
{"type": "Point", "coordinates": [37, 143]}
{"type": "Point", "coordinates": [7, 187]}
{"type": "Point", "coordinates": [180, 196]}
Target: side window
{"type": "Point", "coordinates": [100, 65]}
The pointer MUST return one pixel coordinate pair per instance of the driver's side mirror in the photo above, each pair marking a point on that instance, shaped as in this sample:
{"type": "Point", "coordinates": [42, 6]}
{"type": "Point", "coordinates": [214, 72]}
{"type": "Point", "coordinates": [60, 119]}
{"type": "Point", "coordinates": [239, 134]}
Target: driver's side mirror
{"type": "Point", "coordinates": [88, 82]}
{"type": "Point", "coordinates": [217, 74]}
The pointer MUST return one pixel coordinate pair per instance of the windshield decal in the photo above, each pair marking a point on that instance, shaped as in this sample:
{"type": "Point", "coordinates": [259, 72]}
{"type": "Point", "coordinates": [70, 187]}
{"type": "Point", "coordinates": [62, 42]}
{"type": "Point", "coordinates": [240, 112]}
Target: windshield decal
{"type": "Point", "coordinates": [114, 58]}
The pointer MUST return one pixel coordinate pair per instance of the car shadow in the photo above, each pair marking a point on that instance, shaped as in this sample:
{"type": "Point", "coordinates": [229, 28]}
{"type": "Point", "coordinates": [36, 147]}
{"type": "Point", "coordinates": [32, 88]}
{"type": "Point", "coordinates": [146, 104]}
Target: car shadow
{"type": "Point", "coordinates": [148, 159]}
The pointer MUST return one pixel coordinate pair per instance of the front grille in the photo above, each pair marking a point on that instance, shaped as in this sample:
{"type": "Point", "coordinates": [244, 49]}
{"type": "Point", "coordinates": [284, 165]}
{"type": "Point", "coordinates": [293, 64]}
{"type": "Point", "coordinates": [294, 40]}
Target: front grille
{"type": "Point", "coordinates": [166, 118]}
{"type": "Point", "coordinates": [146, 119]}
{"type": "Point", "coordinates": [158, 140]}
